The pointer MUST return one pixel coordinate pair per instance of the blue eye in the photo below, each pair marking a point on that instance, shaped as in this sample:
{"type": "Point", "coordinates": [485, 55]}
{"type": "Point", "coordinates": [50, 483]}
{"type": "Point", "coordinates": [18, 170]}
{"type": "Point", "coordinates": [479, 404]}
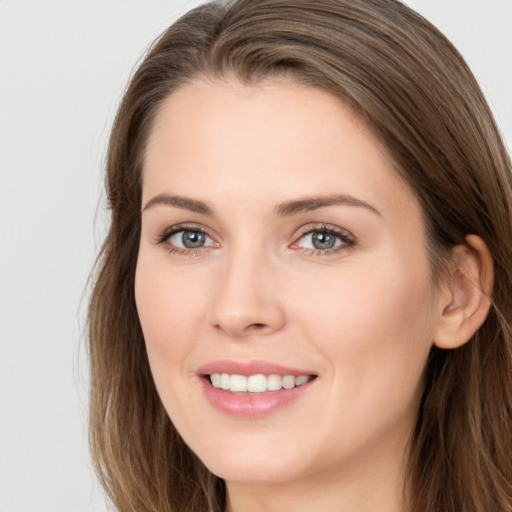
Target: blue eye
{"type": "Point", "coordinates": [325, 239]}
{"type": "Point", "coordinates": [186, 239]}
{"type": "Point", "coordinates": [322, 240]}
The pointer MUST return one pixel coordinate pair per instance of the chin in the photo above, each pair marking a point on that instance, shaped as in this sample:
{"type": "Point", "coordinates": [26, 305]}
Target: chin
{"type": "Point", "coordinates": [252, 468]}
{"type": "Point", "coordinates": [249, 472]}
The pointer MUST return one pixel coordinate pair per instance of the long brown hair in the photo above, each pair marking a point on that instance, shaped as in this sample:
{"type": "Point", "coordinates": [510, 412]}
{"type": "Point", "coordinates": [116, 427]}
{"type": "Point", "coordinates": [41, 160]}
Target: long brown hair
{"type": "Point", "coordinates": [416, 92]}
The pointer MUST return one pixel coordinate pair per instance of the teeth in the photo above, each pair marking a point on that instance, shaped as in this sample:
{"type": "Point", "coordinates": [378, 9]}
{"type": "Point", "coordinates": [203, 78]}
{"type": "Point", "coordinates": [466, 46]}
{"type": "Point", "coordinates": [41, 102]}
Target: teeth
{"type": "Point", "coordinates": [224, 381]}
{"type": "Point", "coordinates": [256, 383]}
{"type": "Point", "coordinates": [216, 379]}
{"type": "Point", "coordinates": [300, 381]}
{"type": "Point", "coordinates": [274, 382]}
{"type": "Point", "coordinates": [288, 382]}
{"type": "Point", "coordinates": [237, 383]}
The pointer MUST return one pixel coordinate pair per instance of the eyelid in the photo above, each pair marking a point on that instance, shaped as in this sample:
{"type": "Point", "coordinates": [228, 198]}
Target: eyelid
{"type": "Point", "coordinates": [167, 233]}
{"type": "Point", "coordinates": [348, 239]}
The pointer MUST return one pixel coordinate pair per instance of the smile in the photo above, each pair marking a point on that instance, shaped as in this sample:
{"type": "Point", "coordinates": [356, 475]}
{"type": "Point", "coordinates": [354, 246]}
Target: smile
{"type": "Point", "coordinates": [258, 383]}
{"type": "Point", "coordinates": [251, 390]}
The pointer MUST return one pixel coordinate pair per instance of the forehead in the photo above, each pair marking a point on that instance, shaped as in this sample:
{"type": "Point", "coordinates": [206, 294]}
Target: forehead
{"type": "Point", "coordinates": [277, 138]}
{"type": "Point", "coordinates": [202, 106]}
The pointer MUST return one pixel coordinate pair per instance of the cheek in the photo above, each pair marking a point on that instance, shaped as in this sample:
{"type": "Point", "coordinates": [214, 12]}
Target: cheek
{"type": "Point", "coordinates": [170, 312]}
{"type": "Point", "coordinates": [367, 298]}
{"type": "Point", "coordinates": [375, 328]}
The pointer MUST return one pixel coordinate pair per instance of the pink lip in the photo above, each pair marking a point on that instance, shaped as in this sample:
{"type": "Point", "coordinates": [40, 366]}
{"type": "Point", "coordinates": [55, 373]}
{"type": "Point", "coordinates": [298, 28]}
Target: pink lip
{"type": "Point", "coordinates": [249, 368]}
{"type": "Point", "coordinates": [250, 405]}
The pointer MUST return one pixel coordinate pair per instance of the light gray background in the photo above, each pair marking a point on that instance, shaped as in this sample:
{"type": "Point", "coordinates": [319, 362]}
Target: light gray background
{"type": "Point", "coordinates": [63, 66]}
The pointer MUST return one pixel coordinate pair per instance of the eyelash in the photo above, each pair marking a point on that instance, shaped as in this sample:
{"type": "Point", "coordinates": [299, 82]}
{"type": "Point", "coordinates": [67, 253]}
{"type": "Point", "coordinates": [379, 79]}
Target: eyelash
{"type": "Point", "coordinates": [169, 232]}
{"type": "Point", "coordinates": [348, 241]}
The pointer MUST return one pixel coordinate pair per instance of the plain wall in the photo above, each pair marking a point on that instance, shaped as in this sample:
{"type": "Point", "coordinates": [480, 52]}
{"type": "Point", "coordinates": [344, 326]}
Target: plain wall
{"type": "Point", "coordinates": [63, 66]}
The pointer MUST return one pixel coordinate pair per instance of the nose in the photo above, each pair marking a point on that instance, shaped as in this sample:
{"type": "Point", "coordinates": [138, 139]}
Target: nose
{"type": "Point", "coordinates": [247, 300]}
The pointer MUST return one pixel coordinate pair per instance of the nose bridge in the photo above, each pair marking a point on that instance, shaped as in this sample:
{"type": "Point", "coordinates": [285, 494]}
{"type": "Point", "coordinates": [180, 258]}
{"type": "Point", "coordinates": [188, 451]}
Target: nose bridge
{"type": "Point", "coordinates": [247, 300]}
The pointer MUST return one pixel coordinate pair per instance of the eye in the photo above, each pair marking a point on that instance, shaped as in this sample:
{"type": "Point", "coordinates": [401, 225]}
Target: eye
{"type": "Point", "coordinates": [189, 239]}
{"type": "Point", "coordinates": [324, 240]}
{"type": "Point", "coordinates": [183, 239]}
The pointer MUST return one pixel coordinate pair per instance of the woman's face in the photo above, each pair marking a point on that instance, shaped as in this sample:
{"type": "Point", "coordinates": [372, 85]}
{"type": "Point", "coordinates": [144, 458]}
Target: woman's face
{"type": "Point", "coordinates": [282, 257]}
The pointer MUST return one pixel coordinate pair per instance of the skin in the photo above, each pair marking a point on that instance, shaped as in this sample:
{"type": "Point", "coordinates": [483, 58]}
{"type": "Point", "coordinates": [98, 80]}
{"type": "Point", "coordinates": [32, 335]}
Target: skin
{"type": "Point", "coordinates": [362, 317]}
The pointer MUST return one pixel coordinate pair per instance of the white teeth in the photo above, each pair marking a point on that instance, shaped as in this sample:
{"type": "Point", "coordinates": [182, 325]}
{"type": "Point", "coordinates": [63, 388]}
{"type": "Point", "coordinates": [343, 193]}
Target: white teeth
{"type": "Point", "coordinates": [237, 383]}
{"type": "Point", "coordinates": [224, 381]}
{"type": "Point", "coordinates": [274, 382]}
{"type": "Point", "coordinates": [216, 380]}
{"type": "Point", "coordinates": [288, 382]}
{"type": "Point", "coordinates": [300, 381]}
{"type": "Point", "coordinates": [258, 383]}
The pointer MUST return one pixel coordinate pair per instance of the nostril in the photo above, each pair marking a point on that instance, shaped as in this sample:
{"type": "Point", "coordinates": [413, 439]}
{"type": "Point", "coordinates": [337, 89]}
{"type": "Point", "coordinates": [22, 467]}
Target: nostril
{"type": "Point", "coordinates": [256, 327]}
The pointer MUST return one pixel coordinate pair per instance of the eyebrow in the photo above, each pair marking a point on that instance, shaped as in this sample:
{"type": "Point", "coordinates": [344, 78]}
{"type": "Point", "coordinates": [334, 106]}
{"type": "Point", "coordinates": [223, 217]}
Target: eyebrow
{"type": "Point", "coordinates": [285, 209]}
{"type": "Point", "coordinates": [192, 205]}
{"type": "Point", "coordinates": [314, 203]}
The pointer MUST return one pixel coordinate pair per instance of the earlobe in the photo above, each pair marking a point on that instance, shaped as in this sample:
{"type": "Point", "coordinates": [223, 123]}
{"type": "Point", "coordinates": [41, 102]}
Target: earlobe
{"type": "Point", "coordinates": [467, 294]}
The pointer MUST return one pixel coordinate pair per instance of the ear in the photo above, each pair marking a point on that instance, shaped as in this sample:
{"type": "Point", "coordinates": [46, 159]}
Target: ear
{"type": "Point", "coordinates": [466, 295]}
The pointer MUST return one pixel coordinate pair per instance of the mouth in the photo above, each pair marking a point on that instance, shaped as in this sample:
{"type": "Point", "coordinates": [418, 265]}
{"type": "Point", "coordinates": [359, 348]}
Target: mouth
{"type": "Point", "coordinates": [257, 383]}
{"type": "Point", "coordinates": [253, 389]}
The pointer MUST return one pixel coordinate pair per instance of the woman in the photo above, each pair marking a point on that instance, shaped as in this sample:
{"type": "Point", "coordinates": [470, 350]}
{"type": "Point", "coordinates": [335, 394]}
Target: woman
{"type": "Point", "coordinates": [303, 300]}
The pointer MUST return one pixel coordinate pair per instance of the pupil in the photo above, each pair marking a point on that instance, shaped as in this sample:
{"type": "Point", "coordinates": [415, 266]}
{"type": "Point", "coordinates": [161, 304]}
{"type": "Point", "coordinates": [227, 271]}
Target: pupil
{"type": "Point", "coordinates": [193, 239]}
{"type": "Point", "coordinates": [322, 240]}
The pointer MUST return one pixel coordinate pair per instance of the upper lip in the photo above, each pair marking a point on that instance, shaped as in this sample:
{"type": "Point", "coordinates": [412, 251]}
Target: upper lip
{"type": "Point", "coordinates": [248, 368]}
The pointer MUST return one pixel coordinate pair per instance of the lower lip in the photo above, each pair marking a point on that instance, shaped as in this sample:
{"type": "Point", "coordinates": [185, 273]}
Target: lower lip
{"type": "Point", "coordinates": [252, 406]}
